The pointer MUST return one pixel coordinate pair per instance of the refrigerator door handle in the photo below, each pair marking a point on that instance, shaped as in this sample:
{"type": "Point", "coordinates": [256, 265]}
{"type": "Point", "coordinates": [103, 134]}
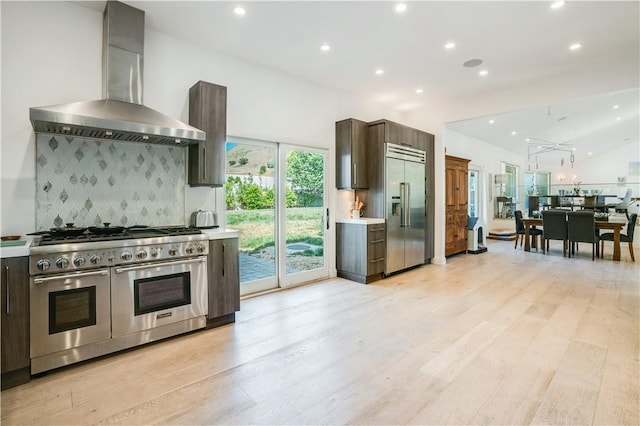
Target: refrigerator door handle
{"type": "Point", "coordinates": [403, 202]}
{"type": "Point", "coordinates": [407, 207]}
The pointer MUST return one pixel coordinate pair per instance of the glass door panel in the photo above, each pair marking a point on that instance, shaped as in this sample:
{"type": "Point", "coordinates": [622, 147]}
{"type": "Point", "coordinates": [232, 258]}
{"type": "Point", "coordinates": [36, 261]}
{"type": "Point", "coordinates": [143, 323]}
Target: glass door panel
{"type": "Point", "coordinates": [304, 215]}
{"type": "Point", "coordinates": [251, 209]}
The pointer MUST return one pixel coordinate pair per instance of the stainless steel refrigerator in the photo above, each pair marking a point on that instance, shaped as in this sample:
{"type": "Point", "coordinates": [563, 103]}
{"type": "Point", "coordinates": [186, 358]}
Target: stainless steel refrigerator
{"type": "Point", "coordinates": [404, 207]}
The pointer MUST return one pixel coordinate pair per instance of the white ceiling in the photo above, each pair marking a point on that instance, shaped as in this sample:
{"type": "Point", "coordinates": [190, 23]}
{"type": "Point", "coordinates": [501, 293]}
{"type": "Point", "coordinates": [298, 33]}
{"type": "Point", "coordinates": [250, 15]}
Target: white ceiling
{"type": "Point", "coordinates": [521, 44]}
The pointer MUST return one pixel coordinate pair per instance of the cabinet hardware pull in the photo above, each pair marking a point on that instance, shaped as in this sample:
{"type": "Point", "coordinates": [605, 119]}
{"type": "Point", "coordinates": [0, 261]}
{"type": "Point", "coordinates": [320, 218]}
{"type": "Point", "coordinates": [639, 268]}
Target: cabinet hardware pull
{"type": "Point", "coordinates": [377, 241]}
{"type": "Point", "coordinates": [6, 271]}
{"type": "Point", "coordinates": [376, 229]}
{"type": "Point", "coordinates": [223, 262]}
{"type": "Point", "coordinates": [355, 174]}
{"type": "Point", "coordinates": [376, 260]}
{"type": "Point", "coordinates": [204, 162]}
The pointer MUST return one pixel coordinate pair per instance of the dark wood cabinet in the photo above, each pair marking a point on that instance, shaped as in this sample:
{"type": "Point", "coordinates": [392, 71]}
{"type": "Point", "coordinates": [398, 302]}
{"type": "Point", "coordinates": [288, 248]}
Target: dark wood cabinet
{"type": "Point", "coordinates": [224, 281]}
{"type": "Point", "coordinates": [456, 175]}
{"type": "Point", "coordinates": [15, 321]}
{"type": "Point", "coordinates": [351, 154]}
{"type": "Point", "coordinates": [428, 141]}
{"type": "Point", "coordinates": [208, 112]}
{"type": "Point", "coordinates": [402, 135]}
{"type": "Point", "coordinates": [360, 251]}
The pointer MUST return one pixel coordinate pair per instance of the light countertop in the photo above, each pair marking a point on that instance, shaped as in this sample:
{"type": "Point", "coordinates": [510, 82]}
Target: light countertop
{"type": "Point", "coordinates": [221, 233]}
{"type": "Point", "coordinates": [361, 221]}
{"type": "Point", "coordinates": [18, 250]}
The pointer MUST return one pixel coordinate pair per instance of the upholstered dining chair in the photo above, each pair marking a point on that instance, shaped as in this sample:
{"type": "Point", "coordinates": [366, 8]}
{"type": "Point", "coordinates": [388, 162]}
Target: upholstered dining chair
{"type": "Point", "coordinates": [624, 238]}
{"type": "Point", "coordinates": [554, 227]}
{"type": "Point", "coordinates": [582, 229]}
{"type": "Point", "coordinates": [533, 232]}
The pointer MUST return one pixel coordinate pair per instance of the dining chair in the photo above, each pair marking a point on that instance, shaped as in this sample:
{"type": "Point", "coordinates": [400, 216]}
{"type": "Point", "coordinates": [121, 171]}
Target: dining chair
{"type": "Point", "coordinates": [581, 228]}
{"type": "Point", "coordinates": [533, 232]}
{"type": "Point", "coordinates": [589, 202]}
{"type": "Point", "coordinates": [554, 227]}
{"type": "Point", "coordinates": [624, 238]}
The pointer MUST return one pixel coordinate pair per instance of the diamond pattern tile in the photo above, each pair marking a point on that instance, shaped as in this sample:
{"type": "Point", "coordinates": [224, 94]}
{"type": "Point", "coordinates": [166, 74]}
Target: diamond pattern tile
{"type": "Point", "coordinates": [89, 182]}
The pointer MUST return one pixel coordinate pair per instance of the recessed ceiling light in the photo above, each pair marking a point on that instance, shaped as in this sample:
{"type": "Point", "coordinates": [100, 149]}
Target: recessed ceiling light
{"type": "Point", "coordinates": [618, 118]}
{"type": "Point", "coordinates": [379, 71]}
{"type": "Point", "coordinates": [514, 133]}
{"type": "Point", "coordinates": [575, 46]}
{"type": "Point", "coordinates": [420, 90]}
{"type": "Point", "coordinates": [401, 7]}
{"type": "Point", "coordinates": [450, 45]}
{"type": "Point", "coordinates": [539, 146]}
{"type": "Point", "coordinates": [590, 153]}
{"type": "Point", "coordinates": [557, 4]}
{"type": "Point", "coordinates": [573, 149]}
{"type": "Point", "coordinates": [616, 106]}
{"type": "Point", "coordinates": [240, 11]}
{"type": "Point", "coordinates": [483, 72]}
{"type": "Point", "coordinates": [492, 121]}
{"type": "Point", "coordinates": [325, 48]}
{"type": "Point", "coordinates": [527, 140]}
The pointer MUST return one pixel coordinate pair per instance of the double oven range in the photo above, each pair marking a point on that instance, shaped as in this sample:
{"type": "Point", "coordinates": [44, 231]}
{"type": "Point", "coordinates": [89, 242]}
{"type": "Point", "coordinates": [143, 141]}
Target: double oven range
{"type": "Point", "coordinates": [97, 293]}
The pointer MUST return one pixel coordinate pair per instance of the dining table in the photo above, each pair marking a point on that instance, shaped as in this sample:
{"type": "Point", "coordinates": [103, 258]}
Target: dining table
{"type": "Point", "coordinates": [600, 224]}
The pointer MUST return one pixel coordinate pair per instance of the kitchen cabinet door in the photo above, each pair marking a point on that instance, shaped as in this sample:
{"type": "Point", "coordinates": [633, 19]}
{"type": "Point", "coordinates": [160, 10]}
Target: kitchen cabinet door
{"type": "Point", "coordinates": [351, 154]}
{"type": "Point", "coordinates": [224, 281]}
{"type": "Point", "coordinates": [208, 112]}
{"type": "Point", "coordinates": [15, 321]}
{"type": "Point", "coordinates": [354, 263]}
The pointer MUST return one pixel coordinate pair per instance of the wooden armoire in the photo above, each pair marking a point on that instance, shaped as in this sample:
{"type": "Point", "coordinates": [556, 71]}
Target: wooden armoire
{"type": "Point", "coordinates": [456, 172]}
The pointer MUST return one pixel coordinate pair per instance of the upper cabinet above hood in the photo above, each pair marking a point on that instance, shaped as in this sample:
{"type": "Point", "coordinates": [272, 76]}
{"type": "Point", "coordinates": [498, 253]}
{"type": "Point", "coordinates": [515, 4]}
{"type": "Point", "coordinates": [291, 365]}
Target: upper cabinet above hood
{"type": "Point", "coordinates": [121, 115]}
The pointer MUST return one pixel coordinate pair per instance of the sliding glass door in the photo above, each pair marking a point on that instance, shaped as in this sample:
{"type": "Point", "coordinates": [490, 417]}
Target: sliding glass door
{"type": "Point", "coordinates": [304, 215]}
{"type": "Point", "coordinates": [275, 197]}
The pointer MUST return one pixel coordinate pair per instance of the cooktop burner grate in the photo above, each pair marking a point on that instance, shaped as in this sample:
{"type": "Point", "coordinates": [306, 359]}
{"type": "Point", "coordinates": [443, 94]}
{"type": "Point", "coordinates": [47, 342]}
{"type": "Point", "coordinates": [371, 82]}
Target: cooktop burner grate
{"type": "Point", "coordinates": [126, 234]}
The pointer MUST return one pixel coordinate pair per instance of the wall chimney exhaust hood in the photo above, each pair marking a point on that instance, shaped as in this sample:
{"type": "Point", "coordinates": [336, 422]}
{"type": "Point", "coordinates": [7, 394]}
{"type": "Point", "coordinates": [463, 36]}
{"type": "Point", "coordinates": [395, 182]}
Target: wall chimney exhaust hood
{"type": "Point", "coordinates": [120, 115]}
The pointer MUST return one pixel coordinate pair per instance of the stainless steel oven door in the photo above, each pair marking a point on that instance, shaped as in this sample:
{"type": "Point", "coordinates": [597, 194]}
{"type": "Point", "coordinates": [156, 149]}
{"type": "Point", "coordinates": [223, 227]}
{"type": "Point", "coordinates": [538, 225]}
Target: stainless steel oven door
{"type": "Point", "coordinates": [69, 310]}
{"type": "Point", "coordinates": [151, 295]}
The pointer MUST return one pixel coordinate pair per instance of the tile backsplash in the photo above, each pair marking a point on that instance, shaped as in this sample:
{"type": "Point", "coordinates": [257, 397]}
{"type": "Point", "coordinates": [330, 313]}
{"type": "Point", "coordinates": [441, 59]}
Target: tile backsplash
{"type": "Point", "coordinates": [90, 182]}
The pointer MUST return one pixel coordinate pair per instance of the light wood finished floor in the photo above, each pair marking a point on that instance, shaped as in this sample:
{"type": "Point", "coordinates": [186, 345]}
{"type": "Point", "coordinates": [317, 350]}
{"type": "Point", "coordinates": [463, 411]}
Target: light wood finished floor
{"type": "Point", "coordinates": [504, 337]}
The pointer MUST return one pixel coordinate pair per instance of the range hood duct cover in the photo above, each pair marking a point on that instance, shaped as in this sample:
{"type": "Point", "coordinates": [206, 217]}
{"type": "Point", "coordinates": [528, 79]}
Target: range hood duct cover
{"type": "Point", "coordinates": [120, 115]}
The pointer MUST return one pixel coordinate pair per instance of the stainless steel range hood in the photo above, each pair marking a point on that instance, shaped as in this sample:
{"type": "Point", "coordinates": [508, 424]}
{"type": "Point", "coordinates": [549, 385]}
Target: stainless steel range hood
{"type": "Point", "coordinates": [120, 115]}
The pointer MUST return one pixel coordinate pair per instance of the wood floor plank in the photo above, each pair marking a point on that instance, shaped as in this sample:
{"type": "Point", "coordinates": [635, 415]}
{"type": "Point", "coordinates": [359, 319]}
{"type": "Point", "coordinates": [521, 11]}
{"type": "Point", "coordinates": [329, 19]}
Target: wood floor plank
{"type": "Point", "coordinates": [504, 337]}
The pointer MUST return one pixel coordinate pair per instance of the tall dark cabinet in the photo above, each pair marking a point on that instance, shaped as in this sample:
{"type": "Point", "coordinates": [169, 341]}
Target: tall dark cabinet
{"type": "Point", "coordinates": [208, 112]}
{"type": "Point", "coordinates": [351, 154]}
{"type": "Point", "coordinates": [224, 281]}
{"type": "Point", "coordinates": [14, 347]}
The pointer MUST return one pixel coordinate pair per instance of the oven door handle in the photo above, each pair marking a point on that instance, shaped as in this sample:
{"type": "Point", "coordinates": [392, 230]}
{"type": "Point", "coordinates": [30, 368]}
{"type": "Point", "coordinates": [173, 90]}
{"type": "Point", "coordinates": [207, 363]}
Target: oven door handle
{"type": "Point", "coordinates": [157, 264]}
{"type": "Point", "coordinates": [76, 275]}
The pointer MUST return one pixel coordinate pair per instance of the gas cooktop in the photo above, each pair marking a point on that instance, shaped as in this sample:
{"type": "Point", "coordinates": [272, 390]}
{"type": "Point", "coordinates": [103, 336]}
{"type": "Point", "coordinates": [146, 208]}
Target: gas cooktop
{"type": "Point", "coordinates": [87, 236]}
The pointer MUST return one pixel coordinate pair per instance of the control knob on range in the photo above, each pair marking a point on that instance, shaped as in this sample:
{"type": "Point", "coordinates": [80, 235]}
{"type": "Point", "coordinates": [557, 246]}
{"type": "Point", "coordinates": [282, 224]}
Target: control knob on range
{"type": "Point", "coordinates": [43, 264]}
{"type": "Point", "coordinates": [79, 261]}
{"type": "Point", "coordinates": [189, 250]}
{"type": "Point", "coordinates": [141, 254]}
{"type": "Point", "coordinates": [62, 262]}
{"type": "Point", "coordinates": [200, 248]}
{"type": "Point", "coordinates": [95, 259]}
{"type": "Point", "coordinates": [126, 256]}
{"type": "Point", "coordinates": [154, 252]}
{"type": "Point", "coordinates": [173, 251]}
